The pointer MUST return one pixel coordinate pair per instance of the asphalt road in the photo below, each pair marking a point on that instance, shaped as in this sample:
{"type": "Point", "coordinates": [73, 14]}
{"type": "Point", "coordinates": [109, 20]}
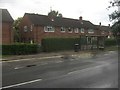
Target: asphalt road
{"type": "Point", "coordinates": [99, 71]}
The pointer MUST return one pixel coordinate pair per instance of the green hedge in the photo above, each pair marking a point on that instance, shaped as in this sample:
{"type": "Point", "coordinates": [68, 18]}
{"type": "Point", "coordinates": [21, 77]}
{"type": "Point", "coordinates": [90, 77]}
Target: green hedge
{"type": "Point", "coordinates": [19, 49]}
{"type": "Point", "coordinates": [110, 42]}
{"type": "Point", "coordinates": [57, 44]}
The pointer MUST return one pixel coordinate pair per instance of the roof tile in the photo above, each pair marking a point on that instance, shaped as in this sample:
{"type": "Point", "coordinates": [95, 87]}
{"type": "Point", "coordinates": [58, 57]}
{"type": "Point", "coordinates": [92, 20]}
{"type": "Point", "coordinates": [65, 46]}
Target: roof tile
{"type": "Point", "coordinates": [58, 21]}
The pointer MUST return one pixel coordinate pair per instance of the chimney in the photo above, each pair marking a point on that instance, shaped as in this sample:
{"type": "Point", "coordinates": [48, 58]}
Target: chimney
{"type": "Point", "coordinates": [100, 23]}
{"type": "Point", "coordinates": [109, 25]}
{"type": "Point", "coordinates": [80, 18]}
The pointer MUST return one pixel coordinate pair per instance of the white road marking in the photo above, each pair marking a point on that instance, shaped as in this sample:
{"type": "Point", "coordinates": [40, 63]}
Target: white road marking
{"type": "Point", "coordinates": [21, 84]}
{"type": "Point", "coordinates": [111, 51]}
{"type": "Point", "coordinates": [74, 55]}
{"type": "Point", "coordinates": [18, 67]}
{"type": "Point", "coordinates": [58, 61]}
{"type": "Point", "coordinates": [106, 54]}
{"type": "Point", "coordinates": [86, 69]}
{"type": "Point", "coordinates": [102, 86]}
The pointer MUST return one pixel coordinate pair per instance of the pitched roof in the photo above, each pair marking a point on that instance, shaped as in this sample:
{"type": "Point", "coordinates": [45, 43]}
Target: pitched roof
{"type": "Point", "coordinates": [6, 17]}
{"type": "Point", "coordinates": [104, 28]}
{"type": "Point", "coordinates": [58, 21]}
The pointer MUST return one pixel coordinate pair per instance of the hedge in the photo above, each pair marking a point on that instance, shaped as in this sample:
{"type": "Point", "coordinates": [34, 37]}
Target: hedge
{"type": "Point", "coordinates": [48, 45]}
{"type": "Point", "coordinates": [57, 44]}
{"type": "Point", "coordinates": [19, 49]}
{"type": "Point", "coordinates": [110, 42]}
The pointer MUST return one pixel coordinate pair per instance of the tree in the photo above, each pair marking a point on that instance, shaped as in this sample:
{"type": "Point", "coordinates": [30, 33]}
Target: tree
{"type": "Point", "coordinates": [60, 15]}
{"type": "Point", "coordinates": [115, 16]}
{"type": "Point", "coordinates": [16, 29]}
{"type": "Point", "coordinates": [54, 14]}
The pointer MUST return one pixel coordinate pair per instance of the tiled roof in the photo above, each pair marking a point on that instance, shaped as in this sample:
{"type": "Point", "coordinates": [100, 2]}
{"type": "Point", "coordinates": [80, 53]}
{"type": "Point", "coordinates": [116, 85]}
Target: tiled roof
{"type": "Point", "coordinates": [104, 28]}
{"type": "Point", "coordinates": [37, 19]}
{"type": "Point", "coordinates": [6, 17]}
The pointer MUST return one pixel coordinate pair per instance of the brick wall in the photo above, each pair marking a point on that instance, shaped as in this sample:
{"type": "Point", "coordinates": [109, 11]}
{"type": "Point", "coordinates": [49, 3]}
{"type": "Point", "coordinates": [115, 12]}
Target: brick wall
{"type": "Point", "coordinates": [38, 33]}
{"type": "Point", "coordinates": [41, 34]}
{"type": "Point", "coordinates": [24, 35]}
{"type": "Point", "coordinates": [7, 33]}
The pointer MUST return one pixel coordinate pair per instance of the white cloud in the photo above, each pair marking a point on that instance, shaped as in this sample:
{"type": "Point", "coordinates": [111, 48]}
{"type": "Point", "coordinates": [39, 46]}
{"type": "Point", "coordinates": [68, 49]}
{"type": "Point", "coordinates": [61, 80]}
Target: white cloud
{"type": "Point", "coordinates": [93, 10]}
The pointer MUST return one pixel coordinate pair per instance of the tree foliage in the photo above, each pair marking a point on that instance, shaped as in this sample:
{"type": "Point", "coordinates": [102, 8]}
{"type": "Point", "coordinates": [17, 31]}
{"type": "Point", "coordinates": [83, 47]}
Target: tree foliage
{"type": "Point", "coordinates": [16, 29]}
{"type": "Point", "coordinates": [114, 3]}
{"type": "Point", "coordinates": [54, 13]}
{"type": "Point", "coordinates": [115, 16]}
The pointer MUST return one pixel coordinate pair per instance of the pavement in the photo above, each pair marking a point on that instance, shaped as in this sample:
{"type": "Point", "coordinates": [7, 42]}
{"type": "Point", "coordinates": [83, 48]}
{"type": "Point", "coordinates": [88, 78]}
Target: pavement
{"type": "Point", "coordinates": [45, 55]}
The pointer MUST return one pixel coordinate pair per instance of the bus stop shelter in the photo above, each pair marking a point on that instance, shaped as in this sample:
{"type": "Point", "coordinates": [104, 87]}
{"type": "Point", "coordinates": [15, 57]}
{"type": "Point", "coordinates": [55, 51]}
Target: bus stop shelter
{"type": "Point", "coordinates": [91, 42]}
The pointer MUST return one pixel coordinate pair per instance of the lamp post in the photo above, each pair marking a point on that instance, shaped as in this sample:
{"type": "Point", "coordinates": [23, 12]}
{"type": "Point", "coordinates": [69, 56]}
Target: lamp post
{"type": "Point", "coordinates": [31, 29]}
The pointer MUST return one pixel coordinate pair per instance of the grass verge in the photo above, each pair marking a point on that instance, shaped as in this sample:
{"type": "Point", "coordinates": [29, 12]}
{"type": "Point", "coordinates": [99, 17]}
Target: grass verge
{"type": "Point", "coordinates": [111, 48]}
{"type": "Point", "coordinates": [6, 56]}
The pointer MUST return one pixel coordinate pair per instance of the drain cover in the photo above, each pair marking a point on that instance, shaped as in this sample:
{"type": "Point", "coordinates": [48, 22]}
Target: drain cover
{"type": "Point", "coordinates": [31, 65]}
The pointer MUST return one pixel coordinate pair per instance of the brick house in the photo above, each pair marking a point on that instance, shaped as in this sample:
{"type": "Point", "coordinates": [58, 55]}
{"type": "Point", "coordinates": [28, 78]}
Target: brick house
{"type": "Point", "coordinates": [35, 27]}
{"type": "Point", "coordinates": [7, 33]}
{"type": "Point", "coordinates": [106, 30]}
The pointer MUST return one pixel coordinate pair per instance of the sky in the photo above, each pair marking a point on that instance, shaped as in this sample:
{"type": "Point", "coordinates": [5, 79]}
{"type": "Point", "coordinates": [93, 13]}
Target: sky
{"type": "Point", "coordinates": [92, 10]}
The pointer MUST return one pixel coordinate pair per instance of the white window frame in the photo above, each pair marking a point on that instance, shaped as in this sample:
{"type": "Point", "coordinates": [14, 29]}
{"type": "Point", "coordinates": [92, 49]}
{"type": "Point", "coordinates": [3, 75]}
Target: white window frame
{"type": "Point", "coordinates": [25, 28]}
{"type": "Point", "coordinates": [49, 29]}
{"type": "Point", "coordinates": [90, 31]}
{"type": "Point", "coordinates": [71, 30]}
{"type": "Point", "coordinates": [76, 30]}
{"type": "Point", "coordinates": [82, 30]}
{"type": "Point", "coordinates": [62, 29]}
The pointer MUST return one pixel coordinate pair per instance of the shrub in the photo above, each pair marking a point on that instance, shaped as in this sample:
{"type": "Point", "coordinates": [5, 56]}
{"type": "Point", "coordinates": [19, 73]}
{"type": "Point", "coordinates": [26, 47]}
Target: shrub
{"type": "Point", "coordinates": [19, 49]}
{"type": "Point", "coordinates": [57, 44]}
{"type": "Point", "coordinates": [110, 42]}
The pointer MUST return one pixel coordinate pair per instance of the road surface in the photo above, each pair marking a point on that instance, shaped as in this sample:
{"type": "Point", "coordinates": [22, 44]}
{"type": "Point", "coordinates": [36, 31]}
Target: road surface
{"type": "Point", "coordinates": [99, 71]}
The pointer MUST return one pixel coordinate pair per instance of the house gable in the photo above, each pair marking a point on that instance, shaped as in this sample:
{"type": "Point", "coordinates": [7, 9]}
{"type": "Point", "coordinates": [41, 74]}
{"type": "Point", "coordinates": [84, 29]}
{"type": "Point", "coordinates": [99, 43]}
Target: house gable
{"type": "Point", "coordinates": [6, 17]}
{"type": "Point", "coordinates": [7, 33]}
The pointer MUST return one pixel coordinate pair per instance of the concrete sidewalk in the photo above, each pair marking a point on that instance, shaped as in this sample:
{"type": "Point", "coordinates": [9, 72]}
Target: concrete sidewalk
{"type": "Point", "coordinates": [80, 54]}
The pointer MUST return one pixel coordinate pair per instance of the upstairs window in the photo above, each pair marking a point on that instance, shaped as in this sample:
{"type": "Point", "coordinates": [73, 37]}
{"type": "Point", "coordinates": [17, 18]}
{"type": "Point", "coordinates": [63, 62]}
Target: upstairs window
{"type": "Point", "coordinates": [49, 29]}
{"type": "Point", "coordinates": [82, 30]}
{"type": "Point", "coordinates": [90, 31]}
{"type": "Point", "coordinates": [25, 28]}
{"type": "Point", "coordinates": [62, 29]}
{"type": "Point", "coordinates": [70, 30]}
{"type": "Point", "coordinates": [76, 30]}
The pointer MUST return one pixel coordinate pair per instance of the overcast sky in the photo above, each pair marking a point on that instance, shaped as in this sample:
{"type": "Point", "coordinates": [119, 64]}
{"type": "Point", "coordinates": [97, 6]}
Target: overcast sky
{"type": "Point", "coordinates": [92, 10]}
